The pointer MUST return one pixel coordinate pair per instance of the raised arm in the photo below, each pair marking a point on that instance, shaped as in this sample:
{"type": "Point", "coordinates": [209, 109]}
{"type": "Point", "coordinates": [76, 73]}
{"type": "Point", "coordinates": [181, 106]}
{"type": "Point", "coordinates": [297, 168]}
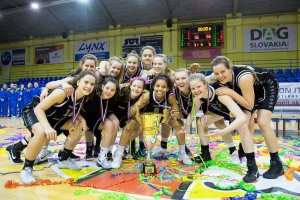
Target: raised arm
{"type": "Point", "coordinates": [142, 102]}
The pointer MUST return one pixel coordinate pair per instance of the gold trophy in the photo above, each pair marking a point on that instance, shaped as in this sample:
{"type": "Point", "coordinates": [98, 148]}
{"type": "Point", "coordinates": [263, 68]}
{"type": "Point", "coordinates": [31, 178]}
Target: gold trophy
{"type": "Point", "coordinates": [150, 123]}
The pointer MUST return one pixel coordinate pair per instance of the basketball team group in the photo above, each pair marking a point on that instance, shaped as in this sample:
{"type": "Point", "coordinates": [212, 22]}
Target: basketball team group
{"type": "Point", "coordinates": [99, 99]}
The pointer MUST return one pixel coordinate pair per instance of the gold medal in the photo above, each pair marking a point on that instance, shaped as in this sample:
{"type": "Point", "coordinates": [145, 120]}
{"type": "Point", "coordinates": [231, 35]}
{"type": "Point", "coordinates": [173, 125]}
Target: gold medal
{"type": "Point", "coordinates": [72, 130]}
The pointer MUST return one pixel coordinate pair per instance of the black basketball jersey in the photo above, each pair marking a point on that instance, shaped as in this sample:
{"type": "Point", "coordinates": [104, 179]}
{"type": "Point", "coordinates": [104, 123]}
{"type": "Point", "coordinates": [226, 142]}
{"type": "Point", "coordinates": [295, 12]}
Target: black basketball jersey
{"type": "Point", "coordinates": [155, 106]}
{"type": "Point", "coordinates": [58, 114]}
{"type": "Point", "coordinates": [185, 102]}
{"type": "Point", "coordinates": [95, 110]}
{"type": "Point", "coordinates": [122, 104]}
{"type": "Point", "coordinates": [213, 104]}
{"type": "Point", "coordinates": [127, 78]}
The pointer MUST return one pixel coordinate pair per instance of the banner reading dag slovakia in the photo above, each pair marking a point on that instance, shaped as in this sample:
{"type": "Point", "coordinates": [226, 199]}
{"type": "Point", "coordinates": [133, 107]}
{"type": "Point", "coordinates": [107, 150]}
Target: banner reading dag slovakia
{"type": "Point", "coordinates": [14, 57]}
{"type": "Point", "coordinates": [272, 38]}
{"type": "Point", "coordinates": [289, 94]}
{"type": "Point", "coordinates": [99, 48]}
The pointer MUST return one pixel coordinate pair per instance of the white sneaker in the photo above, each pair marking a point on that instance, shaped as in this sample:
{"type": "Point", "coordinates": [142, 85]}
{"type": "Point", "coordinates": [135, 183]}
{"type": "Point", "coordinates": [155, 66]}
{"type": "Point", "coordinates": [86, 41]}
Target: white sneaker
{"type": "Point", "coordinates": [185, 159]}
{"type": "Point", "coordinates": [41, 159]}
{"type": "Point", "coordinates": [26, 176]}
{"type": "Point", "coordinates": [117, 162]}
{"type": "Point", "coordinates": [104, 163]}
{"type": "Point", "coordinates": [161, 151]}
{"type": "Point", "coordinates": [68, 164]}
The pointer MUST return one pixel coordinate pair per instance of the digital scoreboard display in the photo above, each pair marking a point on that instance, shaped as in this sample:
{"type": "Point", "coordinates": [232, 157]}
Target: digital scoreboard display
{"type": "Point", "coordinates": [202, 36]}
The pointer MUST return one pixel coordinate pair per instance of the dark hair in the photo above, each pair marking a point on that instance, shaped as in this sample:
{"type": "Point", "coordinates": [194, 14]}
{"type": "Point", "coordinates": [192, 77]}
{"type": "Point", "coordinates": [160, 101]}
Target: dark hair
{"type": "Point", "coordinates": [83, 59]}
{"type": "Point", "coordinates": [124, 93]}
{"type": "Point", "coordinates": [148, 47]}
{"type": "Point", "coordinates": [104, 82]}
{"type": "Point", "coordinates": [221, 60]}
{"type": "Point", "coordinates": [79, 76]}
{"type": "Point", "coordinates": [165, 78]}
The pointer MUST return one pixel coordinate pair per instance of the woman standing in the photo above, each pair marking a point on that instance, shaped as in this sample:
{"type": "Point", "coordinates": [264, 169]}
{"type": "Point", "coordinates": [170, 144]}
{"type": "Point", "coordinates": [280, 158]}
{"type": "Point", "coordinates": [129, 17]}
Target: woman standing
{"type": "Point", "coordinates": [254, 89]}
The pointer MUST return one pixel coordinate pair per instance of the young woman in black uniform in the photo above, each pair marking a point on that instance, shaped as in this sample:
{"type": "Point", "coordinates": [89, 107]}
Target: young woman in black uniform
{"type": "Point", "coordinates": [254, 89]}
{"type": "Point", "coordinates": [99, 116]}
{"type": "Point", "coordinates": [185, 100]}
{"type": "Point", "coordinates": [46, 118]}
{"type": "Point", "coordinates": [125, 109]}
{"type": "Point", "coordinates": [160, 98]}
{"type": "Point", "coordinates": [147, 54]}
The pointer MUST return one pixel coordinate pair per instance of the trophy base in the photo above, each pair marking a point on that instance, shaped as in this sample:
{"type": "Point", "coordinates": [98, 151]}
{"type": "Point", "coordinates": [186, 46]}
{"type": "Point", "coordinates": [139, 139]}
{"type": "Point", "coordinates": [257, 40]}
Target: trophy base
{"type": "Point", "coordinates": [149, 168]}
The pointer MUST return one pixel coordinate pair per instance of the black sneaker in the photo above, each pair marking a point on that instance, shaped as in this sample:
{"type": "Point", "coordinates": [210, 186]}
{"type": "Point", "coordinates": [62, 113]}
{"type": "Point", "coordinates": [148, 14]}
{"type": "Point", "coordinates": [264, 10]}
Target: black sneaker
{"type": "Point", "coordinates": [13, 155]}
{"type": "Point", "coordinates": [96, 152]}
{"type": "Point", "coordinates": [89, 153]}
{"type": "Point", "coordinates": [73, 156]}
{"type": "Point", "coordinates": [275, 170]}
{"type": "Point", "coordinates": [188, 151]}
{"type": "Point", "coordinates": [204, 157]}
{"type": "Point", "coordinates": [142, 152]}
{"type": "Point", "coordinates": [252, 173]}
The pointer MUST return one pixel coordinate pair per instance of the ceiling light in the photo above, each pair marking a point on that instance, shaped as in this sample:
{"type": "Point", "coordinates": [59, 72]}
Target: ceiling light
{"type": "Point", "coordinates": [34, 5]}
{"type": "Point", "coordinates": [83, 1]}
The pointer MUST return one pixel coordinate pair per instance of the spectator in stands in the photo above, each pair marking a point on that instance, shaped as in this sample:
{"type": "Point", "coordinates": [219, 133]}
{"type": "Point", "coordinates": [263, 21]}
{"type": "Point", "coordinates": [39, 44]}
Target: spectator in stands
{"type": "Point", "coordinates": [253, 89]}
{"type": "Point", "coordinates": [20, 96]}
{"type": "Point", "coordinates": [13, 100]}
{"type": "Point", "coordinates": [4, 101]}
{"type": "Point", "coordinates": [36, 90]}
{"type": "Point", "coordinates": [27, 94]}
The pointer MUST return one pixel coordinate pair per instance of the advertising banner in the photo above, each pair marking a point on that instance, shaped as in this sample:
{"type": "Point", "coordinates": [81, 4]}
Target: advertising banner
{"type": "Point", "coordinates": [99, 48]}
{"type": "Point", "coordinates": [136, 44]}
{"type": "Point", "coordinates": [49, 54]}
{"type": "Point", "coordinates": [276, 38]}
{"type": "Point", "coordinates": [12, 57]}
{"type": "Point", "coordinates": [289, 94]}
{"type": "Point", "coordinates": [201, 53]}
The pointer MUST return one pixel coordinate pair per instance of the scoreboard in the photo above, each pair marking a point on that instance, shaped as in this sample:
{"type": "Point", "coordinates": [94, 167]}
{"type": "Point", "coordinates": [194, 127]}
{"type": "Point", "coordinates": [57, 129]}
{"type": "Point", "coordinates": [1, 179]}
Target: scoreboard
{"type": "Point", "coordinates": [211, 35]}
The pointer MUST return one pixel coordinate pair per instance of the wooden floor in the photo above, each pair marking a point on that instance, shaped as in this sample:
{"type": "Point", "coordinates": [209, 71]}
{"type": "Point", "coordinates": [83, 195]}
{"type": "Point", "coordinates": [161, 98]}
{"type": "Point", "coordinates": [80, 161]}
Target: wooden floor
{"type": "Point", "coordinates": [13, 129]}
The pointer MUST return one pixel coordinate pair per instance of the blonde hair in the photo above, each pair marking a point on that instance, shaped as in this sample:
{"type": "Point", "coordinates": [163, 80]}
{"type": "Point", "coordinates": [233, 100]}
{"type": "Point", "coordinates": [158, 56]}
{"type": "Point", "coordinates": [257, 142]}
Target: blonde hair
{"type": "Point", "coordinates": [183, 70]}
{"type": "Point", "coordinates": [134, 54]}
{"type": "Point", "coordinates": [199, 77]}
{"type": "Point", "coordinates": [119, 60]}
{"type": "Point", "coordinates": [165, 60]}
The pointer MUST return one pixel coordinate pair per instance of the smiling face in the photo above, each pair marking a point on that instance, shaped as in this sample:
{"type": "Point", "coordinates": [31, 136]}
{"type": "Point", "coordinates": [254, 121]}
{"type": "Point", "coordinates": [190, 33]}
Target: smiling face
{"type": "Point", "coordinates": [159, 66]}
{"type": "Point", "coordinates": [108, 90]}
{"type": "Point", "coordinates": [198, 88]}
{"type": "Point", "coordinates": [132, 64]}
{"type": "Point", "coordinates": [147, 57]}
{"type": "Point", "coordinates": [181, 80]}
{"type": "Point", "coordinates": [114, 68]}
{"type": "Point", "coordinates": [136, 88]}
{"type": "Point", "coordinates": [89, 64]}
{"type": "Point", "coordinates": [86, 84]}
{"type": "Point", "coordinates": [223, 74]}
{"type": "Point", "coordinates": [160, 88]}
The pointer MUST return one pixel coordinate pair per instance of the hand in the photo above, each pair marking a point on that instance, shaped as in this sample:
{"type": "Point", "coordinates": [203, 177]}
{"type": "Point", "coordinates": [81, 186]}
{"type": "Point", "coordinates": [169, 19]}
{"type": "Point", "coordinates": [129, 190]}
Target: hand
{"type": "Point", "coordinates": [51, 133]}
{"type": "Point", "coordinates": [223, 91]}
{"type": "Point", "coordinates": [44, 94]}
{"type": "Point", "coordinates": [150, 72]}
{"type": "Point", "coordinates": [194, 67]}
{"type": "Point", "coordinates": [214, 133]}
{"type": "Point", "coordinates": [68, 88]}
{"type": "Point", "coordinates": [175, 113]}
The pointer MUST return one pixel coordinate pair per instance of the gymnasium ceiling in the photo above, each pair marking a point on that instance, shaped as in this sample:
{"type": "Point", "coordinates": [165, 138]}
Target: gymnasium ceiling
{"type": "Point", "coordinates": [19, 22]}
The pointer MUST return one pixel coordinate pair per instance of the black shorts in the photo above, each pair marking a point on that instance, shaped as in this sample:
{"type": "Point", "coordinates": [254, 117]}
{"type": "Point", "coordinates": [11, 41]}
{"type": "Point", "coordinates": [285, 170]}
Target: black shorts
{"type": "Point", "coordinates": [225, 115]}
{"type": "Point", "coordinates": [29, 118]}
{"type": "Point", "coordinates": [266, 96]}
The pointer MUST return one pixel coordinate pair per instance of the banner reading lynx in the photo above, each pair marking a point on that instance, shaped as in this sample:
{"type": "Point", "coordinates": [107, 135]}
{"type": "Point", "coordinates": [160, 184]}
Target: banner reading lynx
{"type": "Point", "coordinates": [136, 43]}
{"type": "Point", "coordinates": [14, 57]}
{"type": "Point", "coordinates": [277, 38]}
{"type": "Point", "coordinates": [49, 54]}
{"type": "Point", "coordinates": [99, 48]}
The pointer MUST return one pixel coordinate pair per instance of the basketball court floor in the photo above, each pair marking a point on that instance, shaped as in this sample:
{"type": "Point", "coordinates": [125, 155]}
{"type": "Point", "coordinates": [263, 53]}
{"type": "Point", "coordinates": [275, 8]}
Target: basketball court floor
{"type": "Point", "coordinates": [218, 179]}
